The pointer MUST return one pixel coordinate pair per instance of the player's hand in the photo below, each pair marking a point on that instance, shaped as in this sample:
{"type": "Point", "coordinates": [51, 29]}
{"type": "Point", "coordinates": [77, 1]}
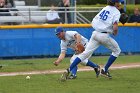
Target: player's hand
{"type": "Point", "coordinates": [56, 63]}
{"type": "Point", "coordinates": [114, 33]}
{"type": "Point", "coordinates": [76, 45]}
{"type": "Point", "coordinates": [79, 48]}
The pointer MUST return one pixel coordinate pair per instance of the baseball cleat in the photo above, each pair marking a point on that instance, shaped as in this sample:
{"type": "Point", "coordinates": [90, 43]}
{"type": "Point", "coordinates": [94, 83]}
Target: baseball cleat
{"type": "Point", "coordinates": [97, 70]}
{"type": "Point", "coordinates": [106, 74]}
{"type": "Point", "coordinates": [72, 77]}
{"type": "Point", "coordinates": [65, 75]}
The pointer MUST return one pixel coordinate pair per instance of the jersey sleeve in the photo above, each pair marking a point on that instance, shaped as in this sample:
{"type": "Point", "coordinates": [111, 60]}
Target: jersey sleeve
{"type": "Point", "coordinates": [63, 46]}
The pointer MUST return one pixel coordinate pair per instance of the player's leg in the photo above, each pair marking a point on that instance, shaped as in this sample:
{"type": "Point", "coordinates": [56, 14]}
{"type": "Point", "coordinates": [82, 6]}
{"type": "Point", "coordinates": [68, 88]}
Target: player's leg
{"type": "Point", "coordinates": [73, 73]}
{"type": "Point", "coordinates": [114, 47]}
{"type": "Point", "coordinates": [96, 67]}
{"type": "Point", "coordinates": [91, 46]}
{"type": "Point", "coordinates": [74, 70]}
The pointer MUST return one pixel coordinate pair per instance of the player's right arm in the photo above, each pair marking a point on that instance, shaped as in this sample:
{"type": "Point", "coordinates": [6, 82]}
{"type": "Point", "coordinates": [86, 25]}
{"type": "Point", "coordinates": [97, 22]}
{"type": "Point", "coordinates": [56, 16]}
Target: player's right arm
{"type": "Point", "coordinates": [60, 58]}
{"type": "Point", "coordinates": [63, 46]}
{"type": "Point", "coordinates": [77, 38]}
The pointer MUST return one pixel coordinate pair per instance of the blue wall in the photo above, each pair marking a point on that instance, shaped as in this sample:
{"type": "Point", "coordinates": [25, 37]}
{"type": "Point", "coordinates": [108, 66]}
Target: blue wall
{"type": "Point", "coordinates": [31, 42]}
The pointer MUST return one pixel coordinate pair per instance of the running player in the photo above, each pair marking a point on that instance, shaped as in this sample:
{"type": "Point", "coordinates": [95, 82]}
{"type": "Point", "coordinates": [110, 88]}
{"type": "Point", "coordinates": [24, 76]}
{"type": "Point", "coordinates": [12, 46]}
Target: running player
{"type": "Point", "coordinates": [104, 23]}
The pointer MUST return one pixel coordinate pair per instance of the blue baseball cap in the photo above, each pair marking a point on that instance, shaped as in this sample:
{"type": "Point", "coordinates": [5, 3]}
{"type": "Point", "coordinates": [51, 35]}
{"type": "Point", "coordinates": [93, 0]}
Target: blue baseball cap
{"type": "Point", "coordinates": [58, 30]}
{"type": "Point", "coordinates": [118, 1]}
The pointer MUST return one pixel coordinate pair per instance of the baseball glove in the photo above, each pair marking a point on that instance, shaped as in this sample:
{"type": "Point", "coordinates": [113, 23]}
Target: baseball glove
{"type": "Point", "coordinates": [80, 48]}
{"type": "Point", "coordinates": [123, 18]}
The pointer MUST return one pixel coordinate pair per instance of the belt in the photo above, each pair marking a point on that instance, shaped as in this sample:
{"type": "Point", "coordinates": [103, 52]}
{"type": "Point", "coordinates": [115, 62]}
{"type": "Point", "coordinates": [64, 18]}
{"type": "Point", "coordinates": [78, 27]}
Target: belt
{"type": "Point", "coordinates": [85, 44]}
{"type": "Point", "coordinates": [104, 32]}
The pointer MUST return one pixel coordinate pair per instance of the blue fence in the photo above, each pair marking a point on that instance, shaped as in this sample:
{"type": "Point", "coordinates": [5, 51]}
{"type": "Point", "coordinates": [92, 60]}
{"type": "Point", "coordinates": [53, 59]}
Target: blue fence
{"type": "Point", "coordinates": [43, 41]}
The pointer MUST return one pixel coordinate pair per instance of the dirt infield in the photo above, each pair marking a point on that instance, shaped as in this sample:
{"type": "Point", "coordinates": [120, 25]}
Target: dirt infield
{"type": "Point", "coordinates": [113, 67]}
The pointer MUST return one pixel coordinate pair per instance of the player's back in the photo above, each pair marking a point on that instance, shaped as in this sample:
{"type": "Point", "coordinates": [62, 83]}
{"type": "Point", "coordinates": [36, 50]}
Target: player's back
{"type": "Point", "coordinates": [105, 19]}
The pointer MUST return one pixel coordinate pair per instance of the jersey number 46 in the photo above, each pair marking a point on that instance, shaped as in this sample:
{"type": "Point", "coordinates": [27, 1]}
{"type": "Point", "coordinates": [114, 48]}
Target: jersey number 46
{"type": "Point", "coordinates": [104, 15]}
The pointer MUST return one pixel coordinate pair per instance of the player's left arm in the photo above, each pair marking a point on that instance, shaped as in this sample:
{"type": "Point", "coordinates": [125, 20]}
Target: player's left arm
{"type": "Point", "coordinates": [115, 23]}
{"type": "Point", "coordinates": [115, 28]}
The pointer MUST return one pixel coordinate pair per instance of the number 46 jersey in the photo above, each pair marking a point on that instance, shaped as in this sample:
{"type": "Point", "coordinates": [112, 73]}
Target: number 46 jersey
{"type": "Point", "coordinates": [104, 20]}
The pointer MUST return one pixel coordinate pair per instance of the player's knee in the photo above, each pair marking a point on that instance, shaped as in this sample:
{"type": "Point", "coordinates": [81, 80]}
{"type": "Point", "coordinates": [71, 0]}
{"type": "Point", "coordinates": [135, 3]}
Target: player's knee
{"type": "Point", "coordinates": [71, 60]}
{"type": "Point", "coordinates": [117, 52]}
{"type": "Point", "coordinates": [83, 63]}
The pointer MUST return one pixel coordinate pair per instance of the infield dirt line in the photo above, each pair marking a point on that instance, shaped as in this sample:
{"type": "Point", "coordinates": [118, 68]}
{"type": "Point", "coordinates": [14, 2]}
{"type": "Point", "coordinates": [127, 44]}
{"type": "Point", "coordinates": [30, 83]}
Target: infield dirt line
{"type": "Point", "coordinates": [113, 67]}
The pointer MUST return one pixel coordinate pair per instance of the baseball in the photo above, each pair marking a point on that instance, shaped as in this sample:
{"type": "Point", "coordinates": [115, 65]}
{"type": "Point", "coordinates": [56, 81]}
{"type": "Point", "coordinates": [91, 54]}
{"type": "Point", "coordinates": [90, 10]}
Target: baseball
{"type": "Point", "coordinates": [28, 77]}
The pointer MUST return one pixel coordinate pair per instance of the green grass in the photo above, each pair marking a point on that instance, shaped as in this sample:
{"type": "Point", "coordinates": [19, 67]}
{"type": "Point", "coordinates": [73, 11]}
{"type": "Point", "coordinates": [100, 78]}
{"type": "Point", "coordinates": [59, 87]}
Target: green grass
{"type": "Point", "coordinates": [124, 81]}
{"type": "Point", "coordinates": [47, 63]}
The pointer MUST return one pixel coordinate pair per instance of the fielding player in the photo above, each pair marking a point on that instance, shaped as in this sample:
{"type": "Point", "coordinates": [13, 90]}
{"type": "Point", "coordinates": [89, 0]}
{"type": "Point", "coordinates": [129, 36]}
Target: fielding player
{"type": "Point", "coordinates": [70, 39]}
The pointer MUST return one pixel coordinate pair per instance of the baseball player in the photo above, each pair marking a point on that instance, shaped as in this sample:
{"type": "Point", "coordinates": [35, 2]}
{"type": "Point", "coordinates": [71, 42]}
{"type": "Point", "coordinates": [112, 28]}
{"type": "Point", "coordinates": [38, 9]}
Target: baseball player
{"type": "Point", "coordinates": [69, 39]}
{"type": "Point", "coordinates": [104, 23]}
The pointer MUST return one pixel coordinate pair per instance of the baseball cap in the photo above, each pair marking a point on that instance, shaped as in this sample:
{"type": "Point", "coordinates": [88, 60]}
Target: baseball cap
{"type": "Point", "coordinates": [118, 1]}
{"type": "Point", "coordinates": [58, 30]}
